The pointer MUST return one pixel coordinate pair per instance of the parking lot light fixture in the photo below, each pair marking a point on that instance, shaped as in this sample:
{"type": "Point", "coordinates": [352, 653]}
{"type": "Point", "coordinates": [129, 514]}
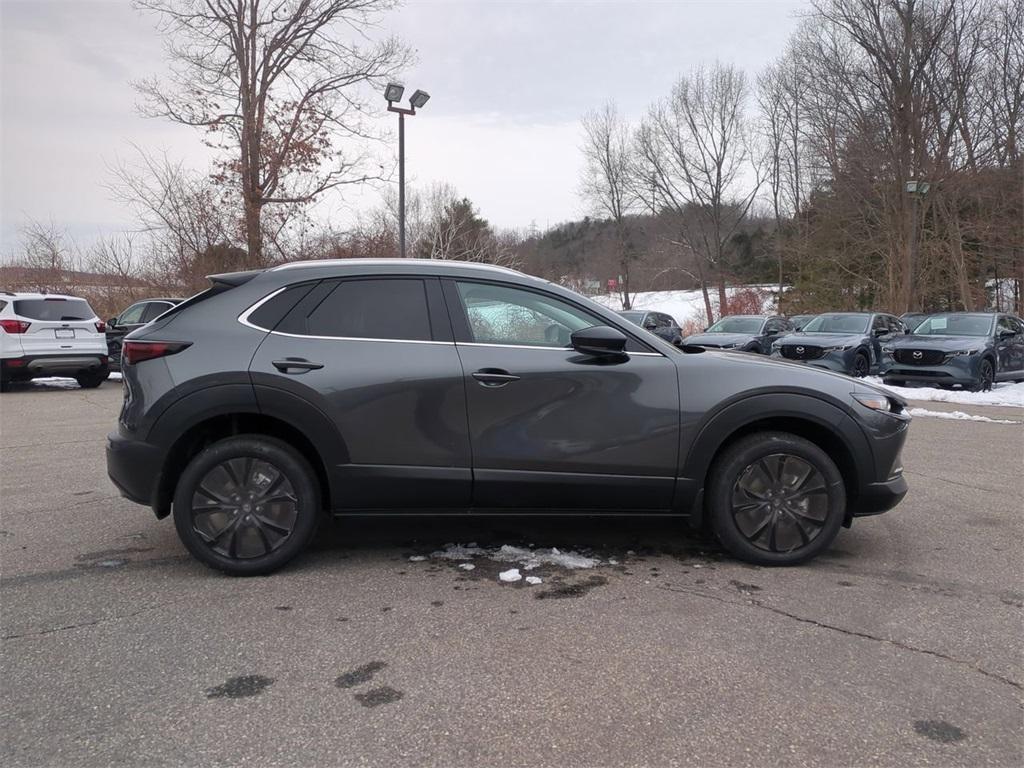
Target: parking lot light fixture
{"type": "Point", "coordinates": [393, 95]}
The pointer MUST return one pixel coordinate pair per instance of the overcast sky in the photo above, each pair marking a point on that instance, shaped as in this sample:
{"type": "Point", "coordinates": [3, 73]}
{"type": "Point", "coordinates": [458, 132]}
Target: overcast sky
{"type": "Point", "coordinates": [509, 82]}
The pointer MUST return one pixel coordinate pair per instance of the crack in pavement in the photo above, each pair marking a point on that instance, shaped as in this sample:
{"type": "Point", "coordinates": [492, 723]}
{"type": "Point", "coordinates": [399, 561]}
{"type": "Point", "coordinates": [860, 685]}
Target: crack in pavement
{"type": "Point", "coordinates": [80, 625]}
{"type": "Point", "coordinates": [849, 632]}
{"type": "Point", "coordinates": [953, 482]}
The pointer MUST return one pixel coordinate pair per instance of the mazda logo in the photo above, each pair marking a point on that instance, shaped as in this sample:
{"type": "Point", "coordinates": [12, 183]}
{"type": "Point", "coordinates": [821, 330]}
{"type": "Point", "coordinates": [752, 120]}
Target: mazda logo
{"type": "Point", "coordinates": [799, 350]}
{"type": "Point", "coordinates": [918, 355]}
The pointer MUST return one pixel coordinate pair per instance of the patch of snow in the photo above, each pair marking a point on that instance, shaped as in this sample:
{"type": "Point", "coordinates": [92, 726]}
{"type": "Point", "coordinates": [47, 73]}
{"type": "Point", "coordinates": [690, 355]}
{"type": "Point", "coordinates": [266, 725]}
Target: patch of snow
{"type": "Point", "coordinates": [958, 415]}
{"type": "Point", "coordinates": [459, 552]}
{"type": "Point", "coordinates": [467, 566]}
{"type": "Point", "coordinates": [533, 558]}
{"type": "Point", "coordinates": [534, 580]}
{"type": "Point", "coordinates": [56, 381]}
{"type": "Point", "coordinates": [684, 306]}
{"type": "Point", "coordinates": [417, 558]}
{"type": "Point", "coordinates": [1001, 394]}
{"type": "Point", "coordinates": [510, 575]}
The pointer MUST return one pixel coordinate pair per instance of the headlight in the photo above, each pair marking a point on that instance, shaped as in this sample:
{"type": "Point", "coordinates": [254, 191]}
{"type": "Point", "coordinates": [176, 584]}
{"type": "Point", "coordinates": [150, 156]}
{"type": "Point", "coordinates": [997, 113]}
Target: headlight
{"type": "Point", "coordinates": [879, 402]}
{"type": "Point", "coordinates": [889, 349]}
{"type": "Point", "coordinates": [962, 352]}
{"type": "Point", "coordinates": [839, 348]}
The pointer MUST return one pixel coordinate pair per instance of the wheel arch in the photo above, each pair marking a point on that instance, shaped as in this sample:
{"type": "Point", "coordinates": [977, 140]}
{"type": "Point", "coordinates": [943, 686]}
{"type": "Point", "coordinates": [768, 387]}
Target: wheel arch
{"type": "Point", "coordinates": [812, 418]}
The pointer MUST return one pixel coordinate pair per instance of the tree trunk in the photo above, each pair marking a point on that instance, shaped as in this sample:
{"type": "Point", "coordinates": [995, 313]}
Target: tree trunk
{"type": "Point", "coordinates": [253, 232]}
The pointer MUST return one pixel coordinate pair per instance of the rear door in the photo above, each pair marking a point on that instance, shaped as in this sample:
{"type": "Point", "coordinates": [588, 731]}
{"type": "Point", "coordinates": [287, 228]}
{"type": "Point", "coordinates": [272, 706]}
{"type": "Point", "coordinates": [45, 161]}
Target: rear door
{"type": "Point", "coordinates": [554, 429]}
{"type": "Point", "coordinates": [59, 326]}
{"type": "Point", "coordinates": [375, 357]}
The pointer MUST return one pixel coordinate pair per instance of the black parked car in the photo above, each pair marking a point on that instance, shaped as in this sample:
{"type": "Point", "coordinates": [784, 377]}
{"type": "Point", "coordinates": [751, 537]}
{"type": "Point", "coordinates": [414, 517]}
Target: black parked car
{"type": "Point", "coordinates": [658, 323]}
{"type": "Point", "coordinates": [384, 386]}
{"type": "Point", "coordinates": [846, 342]}
{"type": "Point", "coordinates": [136, 316]}
{"type": "Point", "coordinates": [747, 333]}
{"type": "Point", "coordinates": [969, 349]}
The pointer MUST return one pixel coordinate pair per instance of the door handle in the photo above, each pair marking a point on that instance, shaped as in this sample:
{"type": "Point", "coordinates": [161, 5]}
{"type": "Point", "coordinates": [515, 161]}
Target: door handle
{"type": "Point", "coordinates": [296, 363]}
{"type": "Point", "coordinates": [494, 377]}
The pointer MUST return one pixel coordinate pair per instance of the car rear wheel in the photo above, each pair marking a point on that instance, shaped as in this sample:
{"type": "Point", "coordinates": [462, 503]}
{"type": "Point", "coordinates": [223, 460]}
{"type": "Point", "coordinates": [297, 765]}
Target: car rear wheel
{"type": "Point", "coordinates": [92, 379]}
{"type": "Point", "coordinates": [775, 499]}
{"type": "Point", "coordinates": [861, 365]}
{"type": "Point", "coordinates": [247, 505]}
{"type": "Point", "coordinates": [986, 376]}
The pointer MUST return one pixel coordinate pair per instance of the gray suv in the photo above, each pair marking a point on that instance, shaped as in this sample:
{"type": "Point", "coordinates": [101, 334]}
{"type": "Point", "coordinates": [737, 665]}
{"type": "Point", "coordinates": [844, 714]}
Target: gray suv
{"type": "Point", "coordinates": [389, 386]}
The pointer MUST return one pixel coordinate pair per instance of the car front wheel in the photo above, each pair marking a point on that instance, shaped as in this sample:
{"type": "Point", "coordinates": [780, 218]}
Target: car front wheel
{"type": "Point", "coordinates": [775, 499]}
{"type": "Point", "coordinates": [247, 505]}
{"type": "Point", "coordinates": [861, 365]}
{"type": "Point", "coordinates": [986, 377]}
{"type": "Point", "coordinates": [92, 379]}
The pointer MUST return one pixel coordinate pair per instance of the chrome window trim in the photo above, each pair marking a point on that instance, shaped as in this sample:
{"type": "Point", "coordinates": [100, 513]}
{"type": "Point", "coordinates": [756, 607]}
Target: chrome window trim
{"type": "Point", "coordinates": [553, 349]}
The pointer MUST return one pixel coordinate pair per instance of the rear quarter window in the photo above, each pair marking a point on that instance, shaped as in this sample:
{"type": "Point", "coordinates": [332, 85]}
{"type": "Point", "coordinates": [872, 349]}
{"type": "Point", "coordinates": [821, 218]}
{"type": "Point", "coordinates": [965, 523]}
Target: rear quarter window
{"type": "Point", "coordinates": [54, 310]}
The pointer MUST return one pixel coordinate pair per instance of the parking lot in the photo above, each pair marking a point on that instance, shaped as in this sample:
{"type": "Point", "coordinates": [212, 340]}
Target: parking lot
{"type": "Point", "coordinates": [901, 646]}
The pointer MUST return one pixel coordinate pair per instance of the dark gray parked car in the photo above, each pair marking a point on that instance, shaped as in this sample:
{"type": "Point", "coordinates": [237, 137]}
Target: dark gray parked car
{"type": "Point", "coordinates": [384, 386]}
{"type": "Point", "coordinates": [969, 349]}
{"type": "Point", "coordinates": [845, 342]}
{"type": "Point", "coordinates": [746, 333]}
{"type": "Point", "coordinates": [661, 325]}
{"type": "Point", "coordinates": [134, 317]}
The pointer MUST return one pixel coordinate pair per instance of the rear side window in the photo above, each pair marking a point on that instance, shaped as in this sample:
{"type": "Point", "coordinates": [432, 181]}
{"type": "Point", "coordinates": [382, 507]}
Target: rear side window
{"type": "Point", "coordinates": [154, 309]}
{"type": "Point", "coordinates": [273, 310]}
{"type": "Point", "coordinates": [394, 309]}
{"type": "Point", "coordinates": [53, 310]}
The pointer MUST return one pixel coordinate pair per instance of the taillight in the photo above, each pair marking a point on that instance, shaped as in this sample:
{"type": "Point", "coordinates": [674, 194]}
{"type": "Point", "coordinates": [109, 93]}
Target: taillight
{"type": "Point", "coordinates": [101, 327]}
{"type": "Point", "coordinates": [15, 326]}
{"type": "Point", "coordinates": [133, 352]}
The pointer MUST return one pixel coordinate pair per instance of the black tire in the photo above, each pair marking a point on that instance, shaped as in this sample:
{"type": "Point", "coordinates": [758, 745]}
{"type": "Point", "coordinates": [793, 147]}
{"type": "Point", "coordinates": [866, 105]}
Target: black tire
{"type": "Point", "coordinates": [5, 384]}
{"type": "Point", "coordinates": [986, 377]}
{"type": "Point", "coordinates": [258, 539]}
{"type": "Point", "coordinates": [92, 379]}
{"type": "Point", "coordinates": [799, 521]}
{"type": "Point", "coordinates": [861, 366]}
{"type": "Point", "coordinates": [893, 382]}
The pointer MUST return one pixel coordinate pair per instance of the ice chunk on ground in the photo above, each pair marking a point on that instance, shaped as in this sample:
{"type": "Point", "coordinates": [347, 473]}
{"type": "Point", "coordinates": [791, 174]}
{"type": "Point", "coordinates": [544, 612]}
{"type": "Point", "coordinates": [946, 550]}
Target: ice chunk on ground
{"type": "Point", "coordinates": [958, 415]}
{"type": "Point", "coordinates": [510, 575]}
{"type": "Point", "coordinates": [531, 559]}
{"type": "Point", "coordinates": [459, 552]}
{"type": "Point", "coordinates": [467, 566]}
{"type": "Point", "coordinates": [417, 558]}
{"type": "Point", "coordinates": [534, 579]}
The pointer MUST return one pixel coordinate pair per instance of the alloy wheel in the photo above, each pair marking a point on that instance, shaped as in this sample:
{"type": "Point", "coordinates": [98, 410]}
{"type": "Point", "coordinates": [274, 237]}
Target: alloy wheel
{"type": "Point", "coordinates": [780, 502]}
{"type": "Point", "coordinates": [244, 507]}
{"type": "Point", "coordinates": [987, 376]}
{"type": "Point", "coordinates": [861, 366]}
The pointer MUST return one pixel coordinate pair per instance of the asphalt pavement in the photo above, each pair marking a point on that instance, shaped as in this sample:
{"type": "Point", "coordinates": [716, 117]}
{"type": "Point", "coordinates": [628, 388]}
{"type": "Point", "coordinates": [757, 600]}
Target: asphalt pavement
{"type": "Point", "coordinates": [902, 646]}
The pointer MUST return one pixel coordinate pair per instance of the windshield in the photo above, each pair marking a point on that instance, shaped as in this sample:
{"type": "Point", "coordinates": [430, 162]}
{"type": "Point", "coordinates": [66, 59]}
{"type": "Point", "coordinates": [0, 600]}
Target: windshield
{"type": "Point", "coordinates": [634, 317]}
{"type": "Point", "coordinates": [737, 325]}
{"type": "Point", "coordinates": [53, 310]}
{"type": "Point", "coordinates": [956, 325]}
{"type": "Point", "coordinates": [838, 324]}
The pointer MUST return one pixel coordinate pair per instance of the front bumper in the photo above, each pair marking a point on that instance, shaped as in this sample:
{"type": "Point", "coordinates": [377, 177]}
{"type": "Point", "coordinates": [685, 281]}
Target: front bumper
{"type": "Point", "coordinates": [961, 370]}
{"type": "Point", "coordinates": [876, 498]}
{"type": "Point", "coordinates": [840, 361]}
{"type": "Point", "coordinates": [134, 467]}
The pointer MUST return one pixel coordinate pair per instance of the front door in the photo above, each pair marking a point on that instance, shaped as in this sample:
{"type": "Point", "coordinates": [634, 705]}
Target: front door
{"type": "Point", "coordinates": [554, 429]}
{"type": "Point", "coordinates": [1009, 348]}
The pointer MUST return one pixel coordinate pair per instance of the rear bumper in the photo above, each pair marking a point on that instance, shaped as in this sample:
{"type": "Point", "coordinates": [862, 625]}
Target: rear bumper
{"type": "Point", "coordinates": [33, 366]}
{"type": "Point", "coordinates": [134, 467]}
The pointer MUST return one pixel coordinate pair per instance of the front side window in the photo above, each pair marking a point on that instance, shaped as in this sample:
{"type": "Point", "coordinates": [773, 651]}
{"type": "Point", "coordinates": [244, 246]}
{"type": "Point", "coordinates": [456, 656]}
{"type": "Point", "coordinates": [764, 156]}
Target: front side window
{"type": "Point", "coordinates": [499, 314]}
{"type": "Point", "coordinates": [1006, 324]}
{"type": "Point", "coordinates": [132, 315]}
{"type": "Point", "coordinates": [394, 309]}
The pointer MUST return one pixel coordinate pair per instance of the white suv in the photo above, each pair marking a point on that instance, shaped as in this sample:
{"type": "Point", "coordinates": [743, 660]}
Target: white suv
{"type": "Point", "coordinates": [43, 334]}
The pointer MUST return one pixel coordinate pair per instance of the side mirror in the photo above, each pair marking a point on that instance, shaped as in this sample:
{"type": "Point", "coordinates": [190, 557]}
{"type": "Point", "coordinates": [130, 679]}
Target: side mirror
{"type": "Point", "coordinates": [112, 322]}
{"type": "Point", "coordinates": [650, 326]}
{"type": "Point", "coordinates": [881, 331]}
{"type": "Point", "coordinates": [1007, 334]}
{"type": "Point", "coordinates": [772, 332]}
{"type": "Point", "coordinates": [599, 340]}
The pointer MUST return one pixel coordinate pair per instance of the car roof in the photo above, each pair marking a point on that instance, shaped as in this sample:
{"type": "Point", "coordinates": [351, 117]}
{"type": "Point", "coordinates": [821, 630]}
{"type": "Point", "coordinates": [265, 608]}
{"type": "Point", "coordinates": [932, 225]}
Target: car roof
{"type": "Point", "coordinates": [414, 263]}
{"type": "Point", "coordinates": [30, 295]}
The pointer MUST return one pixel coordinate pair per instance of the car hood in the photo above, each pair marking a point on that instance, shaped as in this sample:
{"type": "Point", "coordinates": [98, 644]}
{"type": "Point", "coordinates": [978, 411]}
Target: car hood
{"type": "Point", "coordinates": [822, 339]}
{"type": "Point", "coordinates": [942, 343]}
{"type": "Point", "coordinates": [718, 339]}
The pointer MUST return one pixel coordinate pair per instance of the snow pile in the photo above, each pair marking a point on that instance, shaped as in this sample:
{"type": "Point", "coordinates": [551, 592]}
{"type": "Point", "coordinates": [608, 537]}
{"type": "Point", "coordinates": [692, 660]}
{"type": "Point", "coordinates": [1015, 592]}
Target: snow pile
{"type": "Point", "coordinates": [533, 580]}
{"type": "Point", "coordinates": [958, 415]}
{"type": "Point", "coordinates": [1001, 394]}
{"type": "Point", "coordinates": [510, 575]}
{"type": "Point", "coordinates": [527, 558]}
{"type": "Point", "coordinates": [684, 306]}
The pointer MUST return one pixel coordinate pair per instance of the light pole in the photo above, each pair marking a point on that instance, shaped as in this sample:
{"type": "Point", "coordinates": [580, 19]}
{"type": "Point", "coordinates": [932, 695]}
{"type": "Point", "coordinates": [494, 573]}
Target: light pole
{"type": "Point", "coordinates": [916, 189]}
{"type": "Point", "coordinates": [393, 94]}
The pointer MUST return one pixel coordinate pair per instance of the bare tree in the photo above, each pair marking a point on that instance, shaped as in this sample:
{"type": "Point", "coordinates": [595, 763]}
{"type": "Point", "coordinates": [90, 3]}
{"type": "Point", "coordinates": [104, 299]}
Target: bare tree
{"type": "Point", "coordinates": [271, 82]}
{"type": "Point", "coordinates": [693, 157]}
{"type": "Point", "coordinates": [607, 185]}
